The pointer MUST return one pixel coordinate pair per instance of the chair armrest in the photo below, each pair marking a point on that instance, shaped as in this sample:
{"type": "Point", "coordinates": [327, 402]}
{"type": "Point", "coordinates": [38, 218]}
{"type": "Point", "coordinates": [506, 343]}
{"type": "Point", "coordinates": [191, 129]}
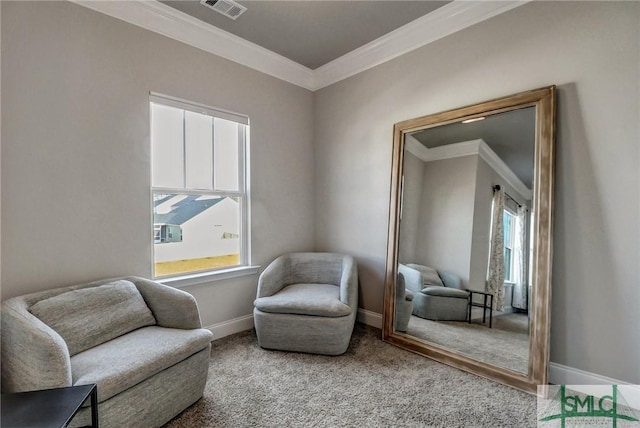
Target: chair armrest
{"type": "Point", "coordinates": [271, 280]}
{"type": "Point", "coordinates": [402, 294]}
{"type": "Point", "coordinates": [401, 290]}
{"type": "Point", "coordinates": [349, 283]}
{"type": "Point", "coordinates": [408, 296]}
{"type": "Point", "coordinates": [171, 307]}
{"type": "Point", "coordinates": [412, 278]}
{"type": "Point", "coordinates": [34, 356]}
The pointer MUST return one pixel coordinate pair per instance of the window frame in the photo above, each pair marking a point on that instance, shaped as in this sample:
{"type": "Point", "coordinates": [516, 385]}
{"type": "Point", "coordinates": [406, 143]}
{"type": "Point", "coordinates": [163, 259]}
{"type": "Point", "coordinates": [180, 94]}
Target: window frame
{"type": "Point", "coordinates": [512, 231]}
{"type": "Point", "coordinates": [244, 266]}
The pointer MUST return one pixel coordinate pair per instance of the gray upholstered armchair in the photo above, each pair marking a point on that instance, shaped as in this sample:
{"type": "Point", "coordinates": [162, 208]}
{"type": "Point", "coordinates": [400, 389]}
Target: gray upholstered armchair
{"type": "Point", "coordinates": [437, 295]}
{"type": "Point", "coordinates": [307, 302]}
{"type": "Point", "coordinates": [141, 342]}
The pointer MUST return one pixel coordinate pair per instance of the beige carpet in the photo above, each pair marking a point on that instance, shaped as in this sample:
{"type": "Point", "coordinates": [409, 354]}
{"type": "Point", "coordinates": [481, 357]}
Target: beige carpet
{"type": "Point", "coordinates": [373, 385]}
{"type": "Point", "coordinates": [505, 345]}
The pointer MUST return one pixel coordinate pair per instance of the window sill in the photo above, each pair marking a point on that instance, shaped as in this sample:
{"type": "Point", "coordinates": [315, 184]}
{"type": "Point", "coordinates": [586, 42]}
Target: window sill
{"type": "Point", "coordinates": [205, 277]}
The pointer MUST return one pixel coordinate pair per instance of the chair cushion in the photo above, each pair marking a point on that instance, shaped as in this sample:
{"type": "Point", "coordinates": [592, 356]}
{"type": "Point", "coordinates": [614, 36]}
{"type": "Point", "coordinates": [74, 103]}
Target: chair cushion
{"type": "Point", "coordinates": [128, 360]}
{"type": "Point", "coordinates": [429, 275]}
{"type": "Point", "coordinates": [321, 300]}
{"type": "Point", "coordinates": [90, 316]}
{"type": "Point", "coordinates": [451, 280]}
{"type": "Point", "coordinates": [445, 292]}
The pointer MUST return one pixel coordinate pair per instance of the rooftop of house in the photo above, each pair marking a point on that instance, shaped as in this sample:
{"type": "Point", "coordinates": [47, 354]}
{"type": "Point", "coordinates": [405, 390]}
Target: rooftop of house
{"type": "Point", "coordinates": [184, 209]}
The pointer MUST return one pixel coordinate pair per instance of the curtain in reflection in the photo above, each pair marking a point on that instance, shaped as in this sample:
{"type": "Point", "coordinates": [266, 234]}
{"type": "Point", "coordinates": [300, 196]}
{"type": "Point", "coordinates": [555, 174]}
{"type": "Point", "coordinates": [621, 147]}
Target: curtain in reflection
{"type": "Point", "coordinates": [519, 261]}
{"type": "Point", "coordinates": [495, 274]}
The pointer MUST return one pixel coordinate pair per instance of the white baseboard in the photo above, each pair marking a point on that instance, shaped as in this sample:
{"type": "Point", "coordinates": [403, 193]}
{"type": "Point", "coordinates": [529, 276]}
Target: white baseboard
{"type": "Point", "coordinates": [373, 319]}
{"type": "Point", "coordinates": [227, 328]}
{"type": "Point", "coordinates": [564, 375]}
{"type": "Point", "coordinates": [558, 373]}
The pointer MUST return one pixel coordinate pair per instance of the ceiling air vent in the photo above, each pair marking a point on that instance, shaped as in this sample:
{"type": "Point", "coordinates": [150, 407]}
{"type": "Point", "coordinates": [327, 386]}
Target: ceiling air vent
{"type": "Point", "coordinates": [228, 8]}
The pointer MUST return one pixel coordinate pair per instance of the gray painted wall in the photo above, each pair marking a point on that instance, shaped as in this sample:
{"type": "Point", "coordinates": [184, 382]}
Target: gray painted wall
{"type": "Point", "coordinates": [446, 215]}
{"type": "Point", "coordinates": [75, 158]}
{"type": "Point", "coordinates": [413, 172]}
{"type": "Point", "coordinates": [591, 51]}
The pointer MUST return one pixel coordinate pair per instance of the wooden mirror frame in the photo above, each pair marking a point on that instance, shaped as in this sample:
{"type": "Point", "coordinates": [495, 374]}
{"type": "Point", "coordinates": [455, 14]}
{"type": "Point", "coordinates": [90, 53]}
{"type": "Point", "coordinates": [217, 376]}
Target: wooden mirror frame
{"type": "Point", "coordinates": [544, 100]}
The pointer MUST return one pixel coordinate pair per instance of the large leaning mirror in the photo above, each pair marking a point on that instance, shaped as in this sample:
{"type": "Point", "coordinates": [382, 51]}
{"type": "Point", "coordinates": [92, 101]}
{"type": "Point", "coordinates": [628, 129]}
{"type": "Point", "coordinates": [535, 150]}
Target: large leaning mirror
{"type": "Point", "coordinates": [468, 276]}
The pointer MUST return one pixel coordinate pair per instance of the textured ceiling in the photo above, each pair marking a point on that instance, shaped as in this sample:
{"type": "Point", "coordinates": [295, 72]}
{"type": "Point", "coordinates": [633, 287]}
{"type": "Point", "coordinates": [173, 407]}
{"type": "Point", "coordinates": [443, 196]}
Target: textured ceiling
{"type": "Point", "coordinates": [510, 135]}
{"type": "Point", "coordinates": [312, 33]}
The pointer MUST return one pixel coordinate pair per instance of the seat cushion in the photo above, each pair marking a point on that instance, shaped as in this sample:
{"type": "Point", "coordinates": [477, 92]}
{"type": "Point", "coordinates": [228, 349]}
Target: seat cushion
{"type": "Point", "coordinates": [127, 360]}
{"type": "Point", "coordinates": [445, 292]}
{"type": "Point", "coordinates": [90, 316]}
{"type": "Point", "coordinates": [321, 300]}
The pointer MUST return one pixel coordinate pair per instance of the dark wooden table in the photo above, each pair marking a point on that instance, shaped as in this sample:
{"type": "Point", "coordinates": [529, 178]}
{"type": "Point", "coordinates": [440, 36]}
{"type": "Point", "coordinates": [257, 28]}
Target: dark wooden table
{"type": "Point", "coordinates": [48, 407]}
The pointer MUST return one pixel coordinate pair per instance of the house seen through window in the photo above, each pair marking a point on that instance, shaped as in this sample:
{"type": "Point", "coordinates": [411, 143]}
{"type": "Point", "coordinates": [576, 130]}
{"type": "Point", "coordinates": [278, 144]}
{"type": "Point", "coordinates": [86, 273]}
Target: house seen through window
{"type": "Point", "coordinates": [198, 183]}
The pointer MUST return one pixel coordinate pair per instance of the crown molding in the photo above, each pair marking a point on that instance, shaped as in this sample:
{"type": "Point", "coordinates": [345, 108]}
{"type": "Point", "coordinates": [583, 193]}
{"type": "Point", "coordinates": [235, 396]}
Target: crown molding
{"type": "Point", "coordinates": [455, 150]}
{"type": "Point", "coordinates": [415, 147]}
{"type": "Point", "coordinates": [446, 20]}
{"type": "Point", "coordinates": [467, 148]}
{"type": "Point", "coordinates": [162, 19]}
{"type": "Point", "coordinates": [503, 170]}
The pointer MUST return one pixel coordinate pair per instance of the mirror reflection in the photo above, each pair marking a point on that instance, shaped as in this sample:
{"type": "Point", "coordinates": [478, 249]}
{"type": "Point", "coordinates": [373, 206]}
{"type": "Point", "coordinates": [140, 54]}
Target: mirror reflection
{"type": "Point", "coordinates": [465, 237]}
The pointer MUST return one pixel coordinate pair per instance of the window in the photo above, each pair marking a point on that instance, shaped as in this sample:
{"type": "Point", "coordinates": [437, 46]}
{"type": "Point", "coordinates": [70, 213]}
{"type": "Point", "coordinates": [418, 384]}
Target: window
{"type": "Point", "coordinates": [198, 183]}
{"type": "Point", "coordinates": [509, 222]}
